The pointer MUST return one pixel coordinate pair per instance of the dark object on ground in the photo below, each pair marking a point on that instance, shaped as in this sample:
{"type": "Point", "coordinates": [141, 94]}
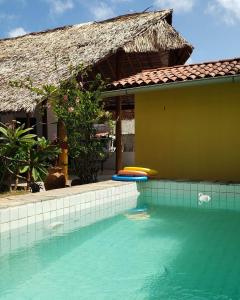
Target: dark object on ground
{"type": "Point", "coordinates": [35, 187]}
{"type": "Point", "coordinates": [76, 181]}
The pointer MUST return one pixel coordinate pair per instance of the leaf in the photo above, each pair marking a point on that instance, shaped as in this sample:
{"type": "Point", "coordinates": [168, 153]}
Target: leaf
{"type": "Point", "coordinates": [42, 172]}
{"type": "Point", "coordinates": [21, 131]}
{"type": "Point", "coordinates": [24, 169]}
{"type": "Point", "coordinates": [3, 131]}
{"type": "Point", "coordinates": [28, 137]}
{"type": "Point", "coordinates": [35, 174]}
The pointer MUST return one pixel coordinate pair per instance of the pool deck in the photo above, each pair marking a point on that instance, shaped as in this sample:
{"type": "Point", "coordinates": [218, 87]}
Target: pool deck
{"type": "Point", "coordinates": [16, 200]}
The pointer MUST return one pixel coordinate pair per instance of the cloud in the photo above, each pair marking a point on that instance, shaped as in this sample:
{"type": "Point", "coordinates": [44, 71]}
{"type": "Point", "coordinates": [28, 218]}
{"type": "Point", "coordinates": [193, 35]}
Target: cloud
{"type": "Point", "coordinates": [17, 32]}
{"type": "Point", "coordinates": [178, 5]}
{"type": "Point", "coordinates": [101, 11]}
{"type": "Point", "coordinates": [58, 7]}
{"type": "Point", "coordinates": [227, 10]}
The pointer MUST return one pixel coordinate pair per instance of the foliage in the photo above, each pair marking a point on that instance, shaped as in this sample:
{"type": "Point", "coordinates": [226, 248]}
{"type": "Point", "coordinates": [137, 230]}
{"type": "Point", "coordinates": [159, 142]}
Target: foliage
{"type": "Point", "coordinates": [77, 103]}
{"type": "Point", "coordinates": [21, 152]}
{"type": "Point", "coordinates": [40, 155]}
{"type": "Point", "coordinates": [14, 144]}
{"type": "Point", "coordinates": [3, 185]}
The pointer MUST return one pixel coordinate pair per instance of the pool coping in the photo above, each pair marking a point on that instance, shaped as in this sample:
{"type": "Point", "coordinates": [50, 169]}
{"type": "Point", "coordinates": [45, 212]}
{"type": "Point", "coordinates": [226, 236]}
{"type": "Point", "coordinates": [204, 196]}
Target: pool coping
{"type": "Point", "coordinates": [17, 200]}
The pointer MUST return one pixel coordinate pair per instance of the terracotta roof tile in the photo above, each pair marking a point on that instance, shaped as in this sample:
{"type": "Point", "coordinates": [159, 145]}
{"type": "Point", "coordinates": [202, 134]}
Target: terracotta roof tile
{"type": "Point", "coordinates": [180, 73]}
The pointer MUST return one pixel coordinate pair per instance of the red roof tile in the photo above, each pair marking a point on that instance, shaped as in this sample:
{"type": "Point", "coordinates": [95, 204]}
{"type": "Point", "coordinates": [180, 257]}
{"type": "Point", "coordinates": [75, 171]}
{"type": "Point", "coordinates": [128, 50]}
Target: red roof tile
{"type": "Point", "coordinates": [180, 73]}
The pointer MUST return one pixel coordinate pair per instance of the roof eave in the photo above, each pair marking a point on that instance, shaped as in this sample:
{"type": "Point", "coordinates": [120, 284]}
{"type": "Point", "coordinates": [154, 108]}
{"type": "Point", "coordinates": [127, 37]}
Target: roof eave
{"type": "Point", "coordinates": [172, 85]}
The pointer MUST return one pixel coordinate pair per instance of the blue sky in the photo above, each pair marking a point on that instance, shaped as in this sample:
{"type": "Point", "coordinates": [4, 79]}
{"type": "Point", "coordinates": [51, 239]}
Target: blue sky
{"type": "Point", "coordinates": [212, 26]}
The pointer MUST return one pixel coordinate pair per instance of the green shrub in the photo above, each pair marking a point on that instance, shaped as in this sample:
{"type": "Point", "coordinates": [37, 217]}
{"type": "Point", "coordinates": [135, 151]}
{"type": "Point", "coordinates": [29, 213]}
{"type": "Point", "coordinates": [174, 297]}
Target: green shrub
{"type": "Point", "coordinates": [77, 103]}
{"type": "Point", "coordinates": [22, 152]}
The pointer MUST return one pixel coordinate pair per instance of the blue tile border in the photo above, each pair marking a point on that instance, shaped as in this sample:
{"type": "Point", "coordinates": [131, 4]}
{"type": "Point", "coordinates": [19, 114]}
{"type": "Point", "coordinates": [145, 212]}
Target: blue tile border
{"type": "Point", "coordinates": [185, 194]}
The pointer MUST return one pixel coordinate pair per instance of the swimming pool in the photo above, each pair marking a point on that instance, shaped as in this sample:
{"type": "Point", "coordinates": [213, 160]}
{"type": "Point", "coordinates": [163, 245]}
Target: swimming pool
{"type": "Point", "coordinates": [165, 252]}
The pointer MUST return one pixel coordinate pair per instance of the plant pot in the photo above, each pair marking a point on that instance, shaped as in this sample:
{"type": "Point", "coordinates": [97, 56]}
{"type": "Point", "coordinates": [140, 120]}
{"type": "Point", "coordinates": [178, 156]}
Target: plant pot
{"type": "Point", "coordinates": [55, 179]}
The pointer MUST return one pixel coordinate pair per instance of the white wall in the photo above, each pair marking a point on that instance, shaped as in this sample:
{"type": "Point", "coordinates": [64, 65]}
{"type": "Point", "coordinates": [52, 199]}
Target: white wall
{"type": "Point", "coordinates": [52, 125]}
{"type": "Point", "coordinates": [128, 160]}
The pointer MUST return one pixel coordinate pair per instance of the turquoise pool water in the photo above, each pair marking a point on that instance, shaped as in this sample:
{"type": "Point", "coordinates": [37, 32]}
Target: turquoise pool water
{"type": "Point", "coordinates": [164, 253]}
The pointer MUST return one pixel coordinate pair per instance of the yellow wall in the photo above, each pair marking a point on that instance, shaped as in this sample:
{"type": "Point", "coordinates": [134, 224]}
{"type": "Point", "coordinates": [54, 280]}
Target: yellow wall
{"type": "Point", "coordinates": [190, 133]}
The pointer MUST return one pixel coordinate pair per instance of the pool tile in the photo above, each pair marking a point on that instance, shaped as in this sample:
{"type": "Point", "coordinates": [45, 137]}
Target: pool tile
{"type": "Point", "coordinates": [167, 185]}
{"type": "Point", "coordinates": [230, 188]}
{"type": "Point", "coordinates": [14, 213]}
{"type": "Point", "coordinates": [39, 208]}
{"type": "Point", "coordinates": [208, 187]}
{"type": "Point", "coordinates": [194, 186]}
{"type": "Point", "coordinates": [31, 209]}
{"type": "Point", "coordinates": [223, 188]}
{"type": "Point", "coordinates": [4, 215]}
{"type": "Point", "coordinates": [39, 218]}
{"type": "Point", "coordinates": [215, 188]}
{"type": "Point", "coordinates": [66, 202]}
{"type": "Point", "coordinates": [14, 224]}
{"type": "Point", "coordinates": [23, 222]}
{"type": "Point", "coordinates": [201, 187]}
{"type": "Point", "coordinates": [31, 220]}
{"type": "Point", "coordinates": [22, 212]}
{"type": "Point", "coordinates": [187, 186]}
{"type": "Point", "coordinates": [4, 227]}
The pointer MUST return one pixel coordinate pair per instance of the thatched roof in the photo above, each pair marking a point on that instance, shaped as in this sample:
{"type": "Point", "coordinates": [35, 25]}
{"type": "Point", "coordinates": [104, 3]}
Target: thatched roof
{"type": "Point", "coordinates": [36, 55]}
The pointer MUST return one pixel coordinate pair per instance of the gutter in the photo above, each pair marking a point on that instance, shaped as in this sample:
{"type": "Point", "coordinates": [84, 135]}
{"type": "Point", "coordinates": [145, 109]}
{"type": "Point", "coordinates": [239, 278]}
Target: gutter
{"type": "Point", "coordinates": [172, 85]}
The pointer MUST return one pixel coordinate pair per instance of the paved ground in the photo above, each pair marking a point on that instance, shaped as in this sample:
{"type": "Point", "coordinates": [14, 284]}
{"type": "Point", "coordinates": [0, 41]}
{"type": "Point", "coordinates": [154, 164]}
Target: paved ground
{"type": "Point", "coordinates": [14, 200]}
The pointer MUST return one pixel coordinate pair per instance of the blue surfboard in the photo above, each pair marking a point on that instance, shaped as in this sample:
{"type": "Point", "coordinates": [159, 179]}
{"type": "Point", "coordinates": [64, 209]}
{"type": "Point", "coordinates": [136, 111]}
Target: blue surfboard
{"type": "Point", "coordinates": [129, 178]}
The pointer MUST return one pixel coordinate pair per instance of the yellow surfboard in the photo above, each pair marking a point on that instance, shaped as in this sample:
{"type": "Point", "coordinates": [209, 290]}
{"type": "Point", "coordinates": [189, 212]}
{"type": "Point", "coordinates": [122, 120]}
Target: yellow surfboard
{"type": "Point", "coordinates": [146, 170]}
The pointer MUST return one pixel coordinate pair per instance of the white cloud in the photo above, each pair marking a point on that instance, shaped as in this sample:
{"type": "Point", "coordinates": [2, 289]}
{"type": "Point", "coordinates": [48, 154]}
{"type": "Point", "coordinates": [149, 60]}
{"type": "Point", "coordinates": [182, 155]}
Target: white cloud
{"type": "Point", "coordinates": [101, 11]}
{"type": "Point", "coordinates": [177, 5]}
{"type": "Point", "coordinates": [226, 10]}
{"type": "Point", "coordinates": [17, 32]}
{"type": "Point", "coordinates": [60, 6]}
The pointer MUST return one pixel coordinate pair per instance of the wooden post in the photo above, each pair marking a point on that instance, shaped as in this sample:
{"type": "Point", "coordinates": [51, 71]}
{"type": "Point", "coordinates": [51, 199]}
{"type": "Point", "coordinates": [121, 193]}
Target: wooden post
{"type": "Point", "coordinates": [118, 134]}
{"type": "Point", "coordinates": [27, 125]}
{"type": "Point", "coordinates": [44, 120]}
{"type": "Point", "coordinates": [63, 156]}
{"type": "Point", "coordinates": [118, 119]}
{"type": "Point", "coordinates": [28, 122]}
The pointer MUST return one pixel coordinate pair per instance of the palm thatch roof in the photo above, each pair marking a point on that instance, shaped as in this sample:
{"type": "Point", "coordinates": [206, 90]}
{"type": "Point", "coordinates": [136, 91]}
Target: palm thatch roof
{"type": "Point", "coordinates": [45, 56]}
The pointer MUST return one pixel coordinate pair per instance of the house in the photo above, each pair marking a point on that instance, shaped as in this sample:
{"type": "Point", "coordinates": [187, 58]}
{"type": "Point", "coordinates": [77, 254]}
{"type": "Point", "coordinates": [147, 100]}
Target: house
{"type": "Point", "coordinates": [115, 48]}
{"type": "Point", "coordinates": [187, 119]}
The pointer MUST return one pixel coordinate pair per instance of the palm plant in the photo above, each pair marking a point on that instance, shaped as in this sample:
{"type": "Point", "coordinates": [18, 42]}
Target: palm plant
{"type": "Point", "coordinates": [21, 152]}
{"type": "Point", "coordinates": [14, 146]}
{"type": "Point", "coordinates": [40, 156]}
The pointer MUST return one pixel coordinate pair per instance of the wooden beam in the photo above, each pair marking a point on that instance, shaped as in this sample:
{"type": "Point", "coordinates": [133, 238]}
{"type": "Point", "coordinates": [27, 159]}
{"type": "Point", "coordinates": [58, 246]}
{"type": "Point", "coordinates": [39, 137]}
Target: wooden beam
{"type": "Point", "coordinates": [111, 69]}
{"type": "Point", "coordinates": [139, 62]}
{"type": "Point", "coordinates": [99, 70]}
{"type": "Point", "coordinates": [149, 60]}
{"type": "Point", "coordinates": [124, 107]}
{"type": "Point", "coordinates": [130, 63]}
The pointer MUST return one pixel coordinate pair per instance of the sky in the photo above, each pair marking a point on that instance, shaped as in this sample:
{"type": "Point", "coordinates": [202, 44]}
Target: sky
{"type": "Point", "coordinates": [211, 26]}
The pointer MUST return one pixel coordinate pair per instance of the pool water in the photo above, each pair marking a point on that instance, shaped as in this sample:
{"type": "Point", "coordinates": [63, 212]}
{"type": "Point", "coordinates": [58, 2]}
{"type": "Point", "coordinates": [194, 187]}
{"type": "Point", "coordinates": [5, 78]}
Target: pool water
{"type": "Point", "coordinates": [163, 253]}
